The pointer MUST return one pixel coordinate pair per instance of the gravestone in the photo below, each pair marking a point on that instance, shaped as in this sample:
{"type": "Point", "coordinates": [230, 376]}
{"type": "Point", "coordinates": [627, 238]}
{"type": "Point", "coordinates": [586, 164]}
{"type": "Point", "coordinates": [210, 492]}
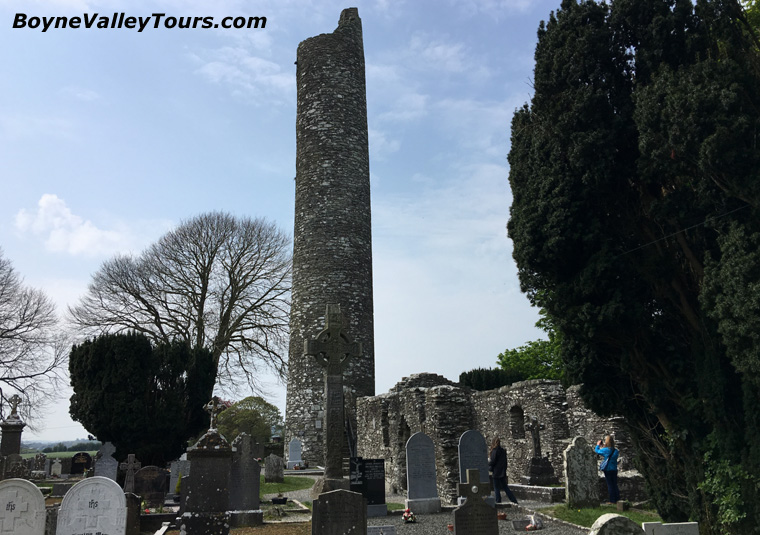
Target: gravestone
{"type": "Point", "coordinates": [208, 495]}
{"type": "Point", "coordinates": [94, 505]}
{"type": "Point", "coordinates": [177, 470]}
{"type": "Point", "coordinates": [55, 468]}
{"type": "Point", "coordinates": [12, 426]}
{"type": "Point", "coordinates": [294, 453]}
{"type": "Point", "coordinates": [475, 516]}
{"type": "Point", "coordinates": [540, 471]}
{"type": "Point", "coordinates": [80, 462]}
{"type": "Point", "coordinates": [582, 481]}
{"type": "Point", "coordinates": [367, 477]}
{"type": "Point", "coordinates": [150, 484]}
{"type": "Point", "coordinates": [612, 524]}
{"type": "Point", "coordinates": [105, 464]}
{"type": "Point", "coordinates": [333, 350]}
{"type": "Point", "coordinates": [680, 528]}
{"type": "Point", "coordinates": [130, 466]}
{"type": "Point", "coordinates": [244, 475]}
{"type": "Point", "coordinates": [473, 455]}
{"type": "Point", "coordinates": [22, 508]}
{"type": "Point", "coordinates": [422, 491]}
{"type": "Point", "coordinates": [39, 462]}
{"type": "Point", "coordinates": [273, 470]}
{"type": "Point", "coordinates": [339, 512]}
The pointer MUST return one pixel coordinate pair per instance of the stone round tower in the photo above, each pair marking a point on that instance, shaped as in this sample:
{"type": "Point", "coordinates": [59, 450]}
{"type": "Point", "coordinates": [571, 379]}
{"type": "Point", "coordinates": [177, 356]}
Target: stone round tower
{"type": "Point", "coordinates": [332, 239]}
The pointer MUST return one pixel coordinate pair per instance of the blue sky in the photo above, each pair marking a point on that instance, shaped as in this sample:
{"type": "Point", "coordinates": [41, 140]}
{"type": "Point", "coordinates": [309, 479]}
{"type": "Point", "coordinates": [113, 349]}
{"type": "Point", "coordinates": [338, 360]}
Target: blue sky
{"type": "Point", "coordinates": [109, 137]}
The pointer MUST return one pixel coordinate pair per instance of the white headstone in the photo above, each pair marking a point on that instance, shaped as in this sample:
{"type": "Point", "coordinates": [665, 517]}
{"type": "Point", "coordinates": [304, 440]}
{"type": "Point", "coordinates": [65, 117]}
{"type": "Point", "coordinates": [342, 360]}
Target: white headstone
{"type": "Point", "coordinates": [55, 470]}
{"type": "Point", "coordinates": [22, 508]}
{"type": "Point", "coordinates": [582, 479]}
{"type": "Point", "coordinates": [105, 464]}
{"type": "Point", "coordinates": [612, 524]}
{"type": "Point", "coordinates": [422, 491]}
{"type": "Point", "coordinates": [94, 505]}
{"type": "Point", "coordinates": [681, 528]}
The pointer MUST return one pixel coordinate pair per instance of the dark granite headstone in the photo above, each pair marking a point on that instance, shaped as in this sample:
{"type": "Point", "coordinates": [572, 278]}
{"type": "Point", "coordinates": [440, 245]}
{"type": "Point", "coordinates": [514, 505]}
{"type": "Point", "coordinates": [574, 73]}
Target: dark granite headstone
{"type": "Point", "coordinates": [151, 483]}
{"type": "Point", "coordinates": [475, 516]}
{"type": "Point", "coordinates": [339, 512]}
{"type": "Point", "coordinates": [80, 462]}
{"type": "Point", "coordinates": [367, 477]}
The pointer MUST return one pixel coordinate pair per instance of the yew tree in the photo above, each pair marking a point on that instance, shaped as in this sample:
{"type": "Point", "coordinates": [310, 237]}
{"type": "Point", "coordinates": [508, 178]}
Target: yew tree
{"type": "Point", "coordinates": [635, 175]}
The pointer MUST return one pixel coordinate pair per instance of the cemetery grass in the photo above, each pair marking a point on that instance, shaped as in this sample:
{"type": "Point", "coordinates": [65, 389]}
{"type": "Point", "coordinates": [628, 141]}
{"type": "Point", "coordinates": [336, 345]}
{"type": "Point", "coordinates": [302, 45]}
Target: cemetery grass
{"type": "Point", "coordinates": [290, 483]}
{"type": "Point", "coordinates": [57, 454]}
{"type": "Point", "coordinates": [587, 516]}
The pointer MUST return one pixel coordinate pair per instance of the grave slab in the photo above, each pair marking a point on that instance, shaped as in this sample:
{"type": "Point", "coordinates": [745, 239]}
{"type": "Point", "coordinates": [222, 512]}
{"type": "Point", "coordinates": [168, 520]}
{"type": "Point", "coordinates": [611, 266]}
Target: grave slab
{"type": "Point", "coordinates": [294, 453]}
{"type": "Point", "coordinates": [680, 528]}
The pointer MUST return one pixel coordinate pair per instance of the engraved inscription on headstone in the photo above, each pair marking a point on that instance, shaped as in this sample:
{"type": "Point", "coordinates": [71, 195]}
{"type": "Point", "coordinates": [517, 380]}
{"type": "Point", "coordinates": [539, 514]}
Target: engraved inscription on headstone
{"type": "Point", "coordinates": [96, 504]}
{"type": "Point", "coordinates": [422, 491]}
{"type": "Point", "coordinates": [473, 454]}
{"type": "Point", "coordinates": [22, 508]}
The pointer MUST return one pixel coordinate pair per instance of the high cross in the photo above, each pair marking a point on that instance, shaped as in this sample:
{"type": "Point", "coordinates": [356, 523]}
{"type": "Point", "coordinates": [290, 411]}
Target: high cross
{"type": "Point", "coordinates": [214, 407]}
{"type": "Point", "coordinates": [332, 348]}
{"type": "Point", "coordinates": [131, 465]}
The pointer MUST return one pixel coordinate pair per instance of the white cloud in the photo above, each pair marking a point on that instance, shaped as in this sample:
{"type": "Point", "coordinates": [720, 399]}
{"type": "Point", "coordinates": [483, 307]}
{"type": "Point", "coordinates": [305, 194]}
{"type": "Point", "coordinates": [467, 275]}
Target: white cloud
{"type": "Point", "coordinates": [380, 145]}
{"type": "Point", "coordinates": [80, 93]}
{"type": "Point", "coordinates": [439, 55]}
{"type": "Point", "coordinates": [246, 74]}
{"type": "Point", "coordinates": [64, 231]}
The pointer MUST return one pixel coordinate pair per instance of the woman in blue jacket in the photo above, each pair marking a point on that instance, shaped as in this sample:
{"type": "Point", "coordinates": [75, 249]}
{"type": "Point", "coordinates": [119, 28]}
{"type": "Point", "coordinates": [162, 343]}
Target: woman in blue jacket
{"type": "Point", "coordinates": [609, 466]}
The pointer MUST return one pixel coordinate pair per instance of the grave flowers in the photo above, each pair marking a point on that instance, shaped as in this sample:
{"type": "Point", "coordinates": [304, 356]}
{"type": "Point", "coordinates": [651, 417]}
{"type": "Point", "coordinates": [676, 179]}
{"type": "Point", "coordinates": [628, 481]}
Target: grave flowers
{"type": "Point", "coordinates": [408, 516]}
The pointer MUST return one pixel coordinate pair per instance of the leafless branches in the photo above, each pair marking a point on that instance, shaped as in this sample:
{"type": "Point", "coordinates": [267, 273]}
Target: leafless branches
{"type": "Point", "coordinates": [32, 349]}
{"type": "Point", "coordinates": [217, 281]}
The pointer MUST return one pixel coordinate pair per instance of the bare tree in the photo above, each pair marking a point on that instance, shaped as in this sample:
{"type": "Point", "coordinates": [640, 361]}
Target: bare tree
{"type": "Point", "coordinates": [215, 281]}
{"type": "Point", "coordinates": [32, 349]}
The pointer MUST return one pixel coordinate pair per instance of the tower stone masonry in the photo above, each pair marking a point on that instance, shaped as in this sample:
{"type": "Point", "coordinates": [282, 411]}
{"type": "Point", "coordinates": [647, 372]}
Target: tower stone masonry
{"type": "Point", "coordinates": [332, 238]}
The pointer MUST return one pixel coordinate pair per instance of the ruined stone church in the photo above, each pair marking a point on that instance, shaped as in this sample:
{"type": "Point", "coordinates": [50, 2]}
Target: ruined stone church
{"type": "Point", "coordinates": [332, 264]}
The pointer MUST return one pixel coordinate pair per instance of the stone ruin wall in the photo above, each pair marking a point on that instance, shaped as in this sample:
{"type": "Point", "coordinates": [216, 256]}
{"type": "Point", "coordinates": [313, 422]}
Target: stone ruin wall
{"type": "Point", "coordinates": [443, 410]}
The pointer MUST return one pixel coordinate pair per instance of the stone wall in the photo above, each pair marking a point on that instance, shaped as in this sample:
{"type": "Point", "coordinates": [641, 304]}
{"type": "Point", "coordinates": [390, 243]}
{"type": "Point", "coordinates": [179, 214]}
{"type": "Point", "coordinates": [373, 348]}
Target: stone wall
{"type": "Point", "coordinates": [332, 240]}
{"type": "Point", "coordinates": [443, 410]}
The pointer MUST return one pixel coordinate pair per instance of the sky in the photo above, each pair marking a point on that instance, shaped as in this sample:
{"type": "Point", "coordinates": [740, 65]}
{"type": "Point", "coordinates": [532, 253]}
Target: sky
{"type": "Point", "coordinates": [111, 137]}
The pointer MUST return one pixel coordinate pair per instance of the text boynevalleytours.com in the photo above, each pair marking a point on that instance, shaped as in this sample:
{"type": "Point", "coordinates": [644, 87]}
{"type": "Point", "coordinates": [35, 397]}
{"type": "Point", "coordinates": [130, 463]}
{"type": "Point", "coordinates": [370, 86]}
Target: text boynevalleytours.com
{"type": "Point", "coordinates": [121, 20]}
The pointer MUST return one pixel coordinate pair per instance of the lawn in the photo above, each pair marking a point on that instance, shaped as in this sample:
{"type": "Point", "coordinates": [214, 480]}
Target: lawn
{"type": "Point", "coordinates": [587, 516]}
{"type": "Point", "coordinates": [289, 483]}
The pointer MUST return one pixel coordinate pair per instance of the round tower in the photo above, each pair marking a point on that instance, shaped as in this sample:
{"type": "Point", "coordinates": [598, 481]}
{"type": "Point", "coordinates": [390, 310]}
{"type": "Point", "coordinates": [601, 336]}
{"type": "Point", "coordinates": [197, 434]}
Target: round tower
{"type": "Point", "coordinates": [332, 238]}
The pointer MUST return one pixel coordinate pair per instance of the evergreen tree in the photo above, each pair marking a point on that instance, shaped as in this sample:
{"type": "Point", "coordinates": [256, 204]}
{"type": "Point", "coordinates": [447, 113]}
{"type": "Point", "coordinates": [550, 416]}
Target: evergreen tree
{"type": "Point", "coordinates": [143, 399]}
{"type": "Point", "coordinates": [635, 221]}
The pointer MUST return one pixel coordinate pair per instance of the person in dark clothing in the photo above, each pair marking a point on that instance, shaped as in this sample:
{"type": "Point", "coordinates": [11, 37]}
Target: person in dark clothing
{"type": "Point", "coordinates": [497, 463]}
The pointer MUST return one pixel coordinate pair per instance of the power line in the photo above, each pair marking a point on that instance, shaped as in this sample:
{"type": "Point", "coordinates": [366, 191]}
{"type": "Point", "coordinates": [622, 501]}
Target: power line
{"type": "Point", "coordinates": [683, 230]}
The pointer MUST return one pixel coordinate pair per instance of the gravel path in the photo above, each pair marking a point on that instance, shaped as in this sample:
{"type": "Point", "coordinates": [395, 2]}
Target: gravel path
{"type": "Point", "coordinates": [437, 524]}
